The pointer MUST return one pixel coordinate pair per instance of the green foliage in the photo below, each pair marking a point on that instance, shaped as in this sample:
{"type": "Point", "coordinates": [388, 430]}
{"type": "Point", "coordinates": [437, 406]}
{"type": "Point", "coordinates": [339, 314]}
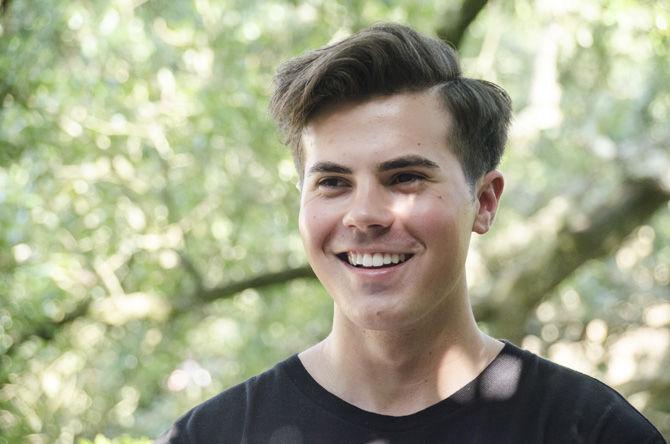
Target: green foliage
{"type": "Point", "coordinates": [139, 169]}
{"type": "Point", "coordinates": [100, 439]}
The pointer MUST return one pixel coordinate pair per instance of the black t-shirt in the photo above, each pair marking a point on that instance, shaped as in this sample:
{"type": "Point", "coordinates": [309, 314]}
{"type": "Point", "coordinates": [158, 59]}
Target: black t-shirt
{"type": "Point", "coordinates": [518, 398]}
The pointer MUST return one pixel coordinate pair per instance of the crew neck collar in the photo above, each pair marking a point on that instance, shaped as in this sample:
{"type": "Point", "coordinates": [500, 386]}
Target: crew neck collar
{"type": "Point", "coordinates": [467, 396]}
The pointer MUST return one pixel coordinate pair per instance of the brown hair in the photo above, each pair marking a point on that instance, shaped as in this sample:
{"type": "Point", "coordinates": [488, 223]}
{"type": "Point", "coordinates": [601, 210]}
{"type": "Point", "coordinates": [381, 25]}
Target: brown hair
{"type": "Point", "coordinates": [387, 59]}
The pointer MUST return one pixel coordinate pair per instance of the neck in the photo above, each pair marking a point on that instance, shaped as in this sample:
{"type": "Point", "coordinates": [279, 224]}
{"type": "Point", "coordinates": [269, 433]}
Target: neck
{"type": "Point", "coordinates": [402, 371]}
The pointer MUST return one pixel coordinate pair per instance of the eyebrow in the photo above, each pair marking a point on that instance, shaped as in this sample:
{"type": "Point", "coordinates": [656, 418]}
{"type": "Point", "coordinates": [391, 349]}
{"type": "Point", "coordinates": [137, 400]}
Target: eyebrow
{"type": "Point", "coordinates": [411, 160]}
{"type": "Point", "coordinates": [328, 167]}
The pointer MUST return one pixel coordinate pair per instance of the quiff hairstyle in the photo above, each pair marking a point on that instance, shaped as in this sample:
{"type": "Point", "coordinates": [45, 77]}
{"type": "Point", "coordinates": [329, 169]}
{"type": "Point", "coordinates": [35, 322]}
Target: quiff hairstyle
{"type": "Point", "coordinates": [388, 59]}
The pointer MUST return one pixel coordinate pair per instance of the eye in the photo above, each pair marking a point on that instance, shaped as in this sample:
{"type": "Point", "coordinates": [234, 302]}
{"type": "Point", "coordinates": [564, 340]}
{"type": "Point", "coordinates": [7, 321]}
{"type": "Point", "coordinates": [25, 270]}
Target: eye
{"type": "Point", "coordinates": [331, 182]}
{"type": "Point", "coordinates": [407, 178]}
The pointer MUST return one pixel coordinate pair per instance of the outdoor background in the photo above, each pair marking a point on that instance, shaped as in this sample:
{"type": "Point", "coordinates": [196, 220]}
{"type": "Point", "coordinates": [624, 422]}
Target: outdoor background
{"type": "Point", "coordinates": [149, 251]}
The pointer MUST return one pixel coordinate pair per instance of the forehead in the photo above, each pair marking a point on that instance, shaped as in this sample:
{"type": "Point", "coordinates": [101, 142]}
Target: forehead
{"type": "Point", "coordinates": [378, 127]}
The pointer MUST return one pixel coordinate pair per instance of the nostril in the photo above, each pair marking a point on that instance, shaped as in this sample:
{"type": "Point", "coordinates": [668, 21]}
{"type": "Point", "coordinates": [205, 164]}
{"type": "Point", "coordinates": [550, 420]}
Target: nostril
{"type": "Point", "coordinates": [369, 213]}
{"type": "Point", "coordinates": [369, 224]}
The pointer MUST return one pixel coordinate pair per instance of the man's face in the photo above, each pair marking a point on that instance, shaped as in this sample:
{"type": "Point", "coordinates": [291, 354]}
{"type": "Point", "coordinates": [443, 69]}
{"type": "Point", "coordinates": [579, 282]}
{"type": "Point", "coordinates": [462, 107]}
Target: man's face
{"type": "Point", "coordinates": [386, 212]}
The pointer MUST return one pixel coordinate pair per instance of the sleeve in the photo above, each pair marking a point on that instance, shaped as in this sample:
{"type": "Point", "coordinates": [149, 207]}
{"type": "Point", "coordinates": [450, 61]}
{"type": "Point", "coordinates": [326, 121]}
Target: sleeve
{"type": "Point", "coordinates": [622, 423]}
{"type": "Point", "coordinates": [220, 420]}
{"type": "Point", "coordinates": [177, 434]}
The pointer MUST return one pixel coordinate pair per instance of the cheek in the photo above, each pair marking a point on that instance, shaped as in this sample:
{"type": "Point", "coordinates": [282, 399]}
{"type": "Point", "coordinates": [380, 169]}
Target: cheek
{"type": "Point", "coordinates": [441, 227]}
{"type": "Point", "coordinates": [439, 230]}
{"type": "Point", "coordinates": [314, 225]}
{"type": "Point", "coordinates": [431, 218]}
{"type": "Point", "coordinates": [304, 226]}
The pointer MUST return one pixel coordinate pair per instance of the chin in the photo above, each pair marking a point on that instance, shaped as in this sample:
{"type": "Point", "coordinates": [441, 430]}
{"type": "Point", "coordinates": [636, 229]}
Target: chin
{"type": "Point", "coordinates": [382, 318]}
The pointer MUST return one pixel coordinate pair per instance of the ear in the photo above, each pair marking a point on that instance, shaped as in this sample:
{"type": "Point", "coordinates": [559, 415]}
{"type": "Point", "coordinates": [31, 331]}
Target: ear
{"type": "Point", "coordinates": [488, 189]}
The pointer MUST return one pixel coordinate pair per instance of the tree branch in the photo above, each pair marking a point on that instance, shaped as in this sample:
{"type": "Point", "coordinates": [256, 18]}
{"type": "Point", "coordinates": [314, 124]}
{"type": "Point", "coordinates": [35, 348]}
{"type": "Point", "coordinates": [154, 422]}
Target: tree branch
{"type": "Point", "coordinates": [258, 282]}
{"type": "Point", "coordinates": [518, 292]}
{"type": "Point", "coordinates": [454, 27]}
{"type": "Point", "coordinates": [191, 270]}
{"type": "Point", "coordinates": [4, 6]}
{"type": "Point", "coordinates": [657, 386]}
{"type": "Point", "coordinates": [203, 296]}
{"type": "Point", "coordinates": [48, 329]}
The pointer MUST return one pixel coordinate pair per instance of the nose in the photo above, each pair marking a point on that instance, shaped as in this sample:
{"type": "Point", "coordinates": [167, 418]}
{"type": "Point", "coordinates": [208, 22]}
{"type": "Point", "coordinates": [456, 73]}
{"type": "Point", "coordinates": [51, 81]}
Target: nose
{"type": "Point", "coordinates": [369, 210]}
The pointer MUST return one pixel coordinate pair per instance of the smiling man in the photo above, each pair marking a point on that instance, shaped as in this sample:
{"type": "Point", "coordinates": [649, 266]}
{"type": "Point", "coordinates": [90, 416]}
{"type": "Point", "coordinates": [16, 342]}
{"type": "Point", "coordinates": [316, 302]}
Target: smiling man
{"type": "Point", "coordinates": [397, 154]}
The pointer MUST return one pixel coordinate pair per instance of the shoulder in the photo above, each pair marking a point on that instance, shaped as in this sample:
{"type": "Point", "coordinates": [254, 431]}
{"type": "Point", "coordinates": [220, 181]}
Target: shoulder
{"type": "Point", "coordinates": [577, 404]}
{"type": "Point", "coordinates": [224, 415]}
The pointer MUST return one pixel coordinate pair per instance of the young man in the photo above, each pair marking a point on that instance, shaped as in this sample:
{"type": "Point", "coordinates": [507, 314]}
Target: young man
{"type": "Point", "coordinates": [397, 155]}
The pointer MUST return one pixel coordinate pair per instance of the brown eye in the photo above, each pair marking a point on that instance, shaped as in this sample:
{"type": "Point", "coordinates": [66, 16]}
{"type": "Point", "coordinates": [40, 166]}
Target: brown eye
{"type": "Point", "coordinates": [403, 178]}
{"type": "Point", "coordinates": [332, 182]}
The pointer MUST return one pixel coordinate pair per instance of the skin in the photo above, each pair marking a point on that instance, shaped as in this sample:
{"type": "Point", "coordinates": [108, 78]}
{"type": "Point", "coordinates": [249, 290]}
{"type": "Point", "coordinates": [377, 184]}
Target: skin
{"type": "Point", "coordinates": [379, 177]}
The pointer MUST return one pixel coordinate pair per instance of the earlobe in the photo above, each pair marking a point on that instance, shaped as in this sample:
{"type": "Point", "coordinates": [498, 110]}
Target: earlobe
{"type": "Point", "coordinates": [489, 189]}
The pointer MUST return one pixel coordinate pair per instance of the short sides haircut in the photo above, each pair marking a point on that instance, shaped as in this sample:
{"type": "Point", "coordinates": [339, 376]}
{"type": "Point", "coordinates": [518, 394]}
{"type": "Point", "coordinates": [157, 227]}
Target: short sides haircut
{"type": "Point", "coordinates": [388, 59]}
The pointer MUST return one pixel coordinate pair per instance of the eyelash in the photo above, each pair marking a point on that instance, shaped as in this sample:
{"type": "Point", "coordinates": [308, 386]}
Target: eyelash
{"type": "Point", "coordinates": [328, 182]}
{"type": "Point", "coordinates": [414, 177]}
{"type": "Point", "coordinates": [338, 182]}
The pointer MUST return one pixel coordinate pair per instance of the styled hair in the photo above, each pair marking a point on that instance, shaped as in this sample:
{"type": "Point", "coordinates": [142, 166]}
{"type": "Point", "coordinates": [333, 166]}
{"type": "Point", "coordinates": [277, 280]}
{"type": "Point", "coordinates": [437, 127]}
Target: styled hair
{"type": "Point", "coordinates": [388, 59]}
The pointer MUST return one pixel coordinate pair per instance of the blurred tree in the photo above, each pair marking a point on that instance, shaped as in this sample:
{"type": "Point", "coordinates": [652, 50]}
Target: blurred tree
{"type": "Point", "coordinates": [149, 254]}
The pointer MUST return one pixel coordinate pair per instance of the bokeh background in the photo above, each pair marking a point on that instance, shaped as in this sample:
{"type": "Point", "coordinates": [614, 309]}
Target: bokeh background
{"type": "Point", "coordinates": [149, 253]}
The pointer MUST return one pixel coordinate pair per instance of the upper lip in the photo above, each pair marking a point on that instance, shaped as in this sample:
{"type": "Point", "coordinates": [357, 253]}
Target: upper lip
{"type": "Point", "coordinates": [368, 250]}
{"type": "Point", "coordinates": [374, 252]}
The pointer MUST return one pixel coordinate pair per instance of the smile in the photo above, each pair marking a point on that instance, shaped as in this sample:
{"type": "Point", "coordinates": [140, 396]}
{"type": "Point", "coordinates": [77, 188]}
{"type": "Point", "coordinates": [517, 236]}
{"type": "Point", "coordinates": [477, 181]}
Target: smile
{"type": "Point", "coordinates": [374, 260]}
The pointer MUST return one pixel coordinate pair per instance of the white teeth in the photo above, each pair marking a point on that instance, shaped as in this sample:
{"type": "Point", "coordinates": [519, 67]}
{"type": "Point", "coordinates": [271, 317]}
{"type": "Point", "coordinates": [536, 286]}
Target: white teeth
{"type": "Point", "coordinates": [367, 260]}
{"type": "Point", "coordinates": [375, 259]}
